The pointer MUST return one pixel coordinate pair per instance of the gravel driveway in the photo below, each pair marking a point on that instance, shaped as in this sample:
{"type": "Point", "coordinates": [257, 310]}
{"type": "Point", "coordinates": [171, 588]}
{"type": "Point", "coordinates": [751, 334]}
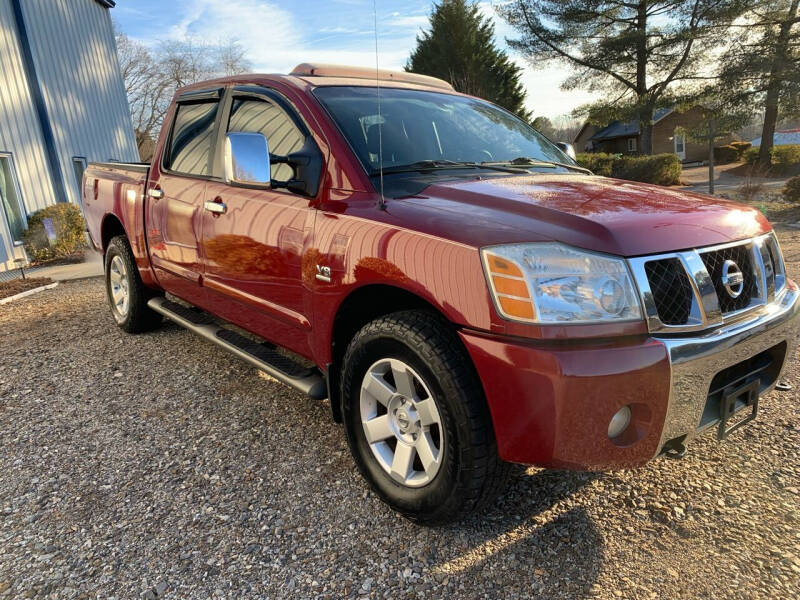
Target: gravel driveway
{"type": "Point", "coordinates": [159, 466]}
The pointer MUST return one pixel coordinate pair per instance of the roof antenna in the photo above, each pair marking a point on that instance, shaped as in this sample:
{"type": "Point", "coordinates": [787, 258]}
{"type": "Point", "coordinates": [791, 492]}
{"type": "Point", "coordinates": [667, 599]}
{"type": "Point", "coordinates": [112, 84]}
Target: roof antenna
{"type": "Point", "coordinates": [382, 201]}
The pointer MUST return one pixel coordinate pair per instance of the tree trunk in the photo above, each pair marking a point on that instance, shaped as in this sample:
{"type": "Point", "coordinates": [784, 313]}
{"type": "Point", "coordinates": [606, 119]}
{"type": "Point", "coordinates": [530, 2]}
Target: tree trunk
{"type": "Point", "coordinates": [770, 120]}
{"type": "Point", "coordinates": [710, 155]}
{"type": "Point", "coordinates": [646, 130]}
{"type": "Point", "coordinates": [776, 77]}
{"type": "Point", "coordinates": [645, 112]}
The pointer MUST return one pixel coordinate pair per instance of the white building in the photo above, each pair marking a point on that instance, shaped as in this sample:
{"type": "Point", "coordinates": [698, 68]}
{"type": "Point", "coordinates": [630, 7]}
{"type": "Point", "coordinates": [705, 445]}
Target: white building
{"type": "Point", "coordinates": [62, 104]}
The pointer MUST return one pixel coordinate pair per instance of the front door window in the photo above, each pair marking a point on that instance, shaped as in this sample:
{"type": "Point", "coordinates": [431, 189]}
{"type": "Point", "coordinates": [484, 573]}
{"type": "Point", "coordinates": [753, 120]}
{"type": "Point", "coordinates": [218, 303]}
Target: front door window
{"type": "Point", "coordinates": [10, 199]}
{"type": "Point", "coordinates": [680, 146]}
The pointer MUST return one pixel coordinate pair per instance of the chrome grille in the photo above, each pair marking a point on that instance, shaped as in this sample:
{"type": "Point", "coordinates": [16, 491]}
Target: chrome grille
{"type": "Point", "coordinates": [743, 257]}
{"type": "Point", "coordinates": [672, 290]}
{"type": "Point", "coordinates": [684, 291]}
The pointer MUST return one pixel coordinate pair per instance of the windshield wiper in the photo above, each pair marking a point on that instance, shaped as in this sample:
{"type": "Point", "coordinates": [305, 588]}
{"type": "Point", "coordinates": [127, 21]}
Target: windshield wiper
{"type": "Point", "coordinates": [431, 165]}
{"type": "Point", "coordinates": [524, 161]}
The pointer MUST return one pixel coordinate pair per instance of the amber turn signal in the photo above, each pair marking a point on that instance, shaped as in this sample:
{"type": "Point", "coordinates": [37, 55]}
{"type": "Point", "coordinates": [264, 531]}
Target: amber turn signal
{"type": "Point", "coordinates": [510, 288]}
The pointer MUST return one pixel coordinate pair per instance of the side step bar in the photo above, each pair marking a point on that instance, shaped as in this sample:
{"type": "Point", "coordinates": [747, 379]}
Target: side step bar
{"type": "Point", "coordinates": [262, 356]}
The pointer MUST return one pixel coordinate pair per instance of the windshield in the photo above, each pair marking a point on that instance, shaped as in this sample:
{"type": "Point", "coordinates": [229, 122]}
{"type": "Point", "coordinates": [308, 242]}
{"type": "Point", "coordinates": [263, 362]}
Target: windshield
{"type": "Point", "coordinates": [419, 126]}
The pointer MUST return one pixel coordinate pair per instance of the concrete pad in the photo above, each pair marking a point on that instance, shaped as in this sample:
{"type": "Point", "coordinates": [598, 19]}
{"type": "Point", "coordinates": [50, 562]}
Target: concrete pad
{"type": "Point", "coordinates": [92, 266]}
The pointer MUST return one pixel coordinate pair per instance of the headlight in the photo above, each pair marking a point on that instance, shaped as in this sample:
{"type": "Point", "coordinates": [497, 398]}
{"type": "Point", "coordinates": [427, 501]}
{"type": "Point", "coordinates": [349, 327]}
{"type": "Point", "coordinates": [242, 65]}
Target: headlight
{"type": "Point", "coordinates": [553, 283]}
{"type": "Point", "coordinates": [776, 260]}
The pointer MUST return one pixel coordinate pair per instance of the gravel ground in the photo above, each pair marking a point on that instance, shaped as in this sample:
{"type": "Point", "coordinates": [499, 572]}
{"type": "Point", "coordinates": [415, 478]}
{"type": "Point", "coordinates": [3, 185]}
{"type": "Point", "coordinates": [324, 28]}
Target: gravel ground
{"type": "Point", "coordinates": [158, 466]}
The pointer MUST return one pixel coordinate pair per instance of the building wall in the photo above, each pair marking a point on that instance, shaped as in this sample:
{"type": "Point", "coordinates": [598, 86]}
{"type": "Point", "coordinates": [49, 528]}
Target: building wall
{"type": "Point", "coordinates": [20, 133]}
{"type": "Point", "coordinates": [586, 132]}
{"type": "Point", "coordinates": [616, 146]}
{"type": "Point", "coordinates": [75, 56]}
{"type": "Point", "coordinates": [664, 132]}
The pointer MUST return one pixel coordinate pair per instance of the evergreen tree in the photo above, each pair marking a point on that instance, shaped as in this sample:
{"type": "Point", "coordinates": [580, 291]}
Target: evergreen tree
{"type": "Point", "coordinates": [762, 66]}
{"type": "Point", "coordinates": [632, 52]}
{"type": "Point", "coordinates": [459, 48]}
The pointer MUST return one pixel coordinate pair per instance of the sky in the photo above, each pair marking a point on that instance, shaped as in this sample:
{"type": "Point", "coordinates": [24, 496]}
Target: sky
{"type": "Point", "coordinates": [279, 35]}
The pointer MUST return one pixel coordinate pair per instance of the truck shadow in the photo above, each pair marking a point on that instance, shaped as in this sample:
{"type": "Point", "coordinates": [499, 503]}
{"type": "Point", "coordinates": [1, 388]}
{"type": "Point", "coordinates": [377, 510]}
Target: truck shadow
{"type": "Point", "coordinates": [553, 554]}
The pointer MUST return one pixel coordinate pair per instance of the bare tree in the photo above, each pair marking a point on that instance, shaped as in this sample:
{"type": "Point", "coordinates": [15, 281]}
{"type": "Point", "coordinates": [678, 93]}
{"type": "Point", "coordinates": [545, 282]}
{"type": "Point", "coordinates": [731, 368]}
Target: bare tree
{"type": "Point", "coordinates": [152, 76]}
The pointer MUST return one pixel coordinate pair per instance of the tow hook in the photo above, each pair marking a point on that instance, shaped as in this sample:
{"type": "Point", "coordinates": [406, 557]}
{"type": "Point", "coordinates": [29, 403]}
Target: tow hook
{"type": "Point", "coordinates": [784, 386]}
{"type": "Point", "coordinates": [675, 448]}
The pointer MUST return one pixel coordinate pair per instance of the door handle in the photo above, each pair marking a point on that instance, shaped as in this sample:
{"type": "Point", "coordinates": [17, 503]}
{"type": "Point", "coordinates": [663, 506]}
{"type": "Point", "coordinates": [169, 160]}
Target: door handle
{"type": "Point", "coordinates": [216, 207]}
{"type": "Point", "coordinates": [155, 193]}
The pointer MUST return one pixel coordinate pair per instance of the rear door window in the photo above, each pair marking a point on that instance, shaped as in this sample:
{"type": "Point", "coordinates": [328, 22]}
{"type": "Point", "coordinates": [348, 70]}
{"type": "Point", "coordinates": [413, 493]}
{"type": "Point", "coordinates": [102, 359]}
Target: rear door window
{"type": "Point", "coordinates": [268, 119]}
{"type": "Point", "coordinates": [192, 138]}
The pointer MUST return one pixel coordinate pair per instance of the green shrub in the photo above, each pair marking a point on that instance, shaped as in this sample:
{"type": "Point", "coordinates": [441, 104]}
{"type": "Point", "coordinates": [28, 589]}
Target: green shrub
{"type": "Point", "coordinates": [791, 191]}
{"type": "Point", "coordinates": [741, 146]}
{"type": "Point", "coordinates": [69, 228]}
{"type": "Point", "coordinates": [726, 154]}
{"type": "Point", "coordinates": [750, 156]}
{"type": "Point", "coordinates": [597, 162]}
{"type": "Point", "coordinates": [661, 169]}
{"type": "Point", "coordinates": [786, 159]}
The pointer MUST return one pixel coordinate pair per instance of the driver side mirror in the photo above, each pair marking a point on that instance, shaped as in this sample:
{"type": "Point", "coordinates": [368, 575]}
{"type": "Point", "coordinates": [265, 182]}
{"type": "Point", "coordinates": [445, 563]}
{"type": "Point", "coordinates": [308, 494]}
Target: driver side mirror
{"type": "Point", "coordinates": [567, 149]}
{"type": "Point", "coordinates": [246, 160]}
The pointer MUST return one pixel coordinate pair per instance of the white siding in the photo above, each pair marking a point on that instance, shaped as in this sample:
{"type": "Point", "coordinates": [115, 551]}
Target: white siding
{"type": "Point", "coordinates": [20, 134]}
{"type": "Point", "coordinates": [75, 56]}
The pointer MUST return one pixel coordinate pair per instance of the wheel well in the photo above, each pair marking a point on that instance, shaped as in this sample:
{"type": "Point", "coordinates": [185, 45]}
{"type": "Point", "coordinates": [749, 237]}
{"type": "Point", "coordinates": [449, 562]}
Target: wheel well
{"type": "Point", "coordinates": [111, 228]}
{"type": "Point", "coordinates": [362, 306]}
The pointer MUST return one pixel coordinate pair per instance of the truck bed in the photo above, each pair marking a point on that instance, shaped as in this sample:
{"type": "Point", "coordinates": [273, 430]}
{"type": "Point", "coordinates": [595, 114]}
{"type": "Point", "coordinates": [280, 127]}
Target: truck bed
{"type": "Point", "coordinates": [113, 190]}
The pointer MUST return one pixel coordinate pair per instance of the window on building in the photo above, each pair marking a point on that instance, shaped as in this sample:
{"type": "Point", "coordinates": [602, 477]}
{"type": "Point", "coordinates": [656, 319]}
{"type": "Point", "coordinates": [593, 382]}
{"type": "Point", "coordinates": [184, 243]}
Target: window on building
{"type": "Point", "coordinates": [78, 167]}
{"type": "Point", "coordinates": [631, 144]}
{"type": "Point", "coordinates": [268, 119]}
{"type": "Point", "coordinates": [192, 138]}
{"type": "Point", "coordinates": [10, 199]}
{"type": "Point", "coordinates": [680, 144]}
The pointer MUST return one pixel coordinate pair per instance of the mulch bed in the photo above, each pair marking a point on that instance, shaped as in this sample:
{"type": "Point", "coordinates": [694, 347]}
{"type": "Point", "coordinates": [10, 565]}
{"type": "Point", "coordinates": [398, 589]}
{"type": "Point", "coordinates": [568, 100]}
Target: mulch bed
{"type": "Point", "coordinates": [11, 288]}
{"type": "Point", "coordinates": [77, 257]}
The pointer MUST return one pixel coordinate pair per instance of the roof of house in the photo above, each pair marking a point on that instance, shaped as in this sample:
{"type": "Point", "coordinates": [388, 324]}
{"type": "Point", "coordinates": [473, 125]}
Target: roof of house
{"type": "Point", "coordinates": [629, 128]}
{"type": "Point", "coordinates": [782, 138]}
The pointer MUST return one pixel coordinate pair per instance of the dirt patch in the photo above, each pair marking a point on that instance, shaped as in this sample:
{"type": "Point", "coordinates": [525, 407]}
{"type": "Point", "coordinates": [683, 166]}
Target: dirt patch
{"type": "Point", "coordinates": [12, 288]}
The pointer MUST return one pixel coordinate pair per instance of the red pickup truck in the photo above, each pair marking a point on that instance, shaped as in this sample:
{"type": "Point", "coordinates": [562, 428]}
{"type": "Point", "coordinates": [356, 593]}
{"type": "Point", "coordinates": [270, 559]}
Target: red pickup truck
{"type": "Point", "coordinates": [464, 294]}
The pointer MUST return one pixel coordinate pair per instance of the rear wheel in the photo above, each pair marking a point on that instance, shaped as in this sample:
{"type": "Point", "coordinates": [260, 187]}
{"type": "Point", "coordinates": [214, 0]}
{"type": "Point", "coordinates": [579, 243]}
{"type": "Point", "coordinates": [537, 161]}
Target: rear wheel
{"type": "Point", "coordinates": [416, 419]}
{"type": "Point", "coordinates": [127, 295]}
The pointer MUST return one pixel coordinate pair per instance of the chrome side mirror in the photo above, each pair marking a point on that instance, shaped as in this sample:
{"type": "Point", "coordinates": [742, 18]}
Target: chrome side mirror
{"type": "Point", "coordinates": [567, 149]}
{"type": "Point", "coordinates": [246, 160]}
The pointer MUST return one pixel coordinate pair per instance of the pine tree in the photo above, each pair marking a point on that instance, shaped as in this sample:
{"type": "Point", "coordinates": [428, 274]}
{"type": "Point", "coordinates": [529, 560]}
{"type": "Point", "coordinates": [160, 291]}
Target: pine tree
{"type": "Point", "coordinates": [460, 48]}
{"type": "Point", "coordinates": [762, 66]}
{"type": "Point", "coordinates": [631, 52]}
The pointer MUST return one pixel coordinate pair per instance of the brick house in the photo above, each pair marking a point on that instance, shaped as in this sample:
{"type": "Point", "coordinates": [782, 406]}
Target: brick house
{"type": "Point", "coordinates": [621, 137]}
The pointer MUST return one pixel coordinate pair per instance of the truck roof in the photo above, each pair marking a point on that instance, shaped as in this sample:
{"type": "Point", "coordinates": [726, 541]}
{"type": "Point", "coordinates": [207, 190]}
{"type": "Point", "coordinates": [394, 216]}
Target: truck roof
{"type": "Point", "coordinates": [319, 74]}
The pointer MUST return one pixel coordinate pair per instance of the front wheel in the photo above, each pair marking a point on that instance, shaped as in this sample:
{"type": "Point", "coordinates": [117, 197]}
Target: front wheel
{"type": "Point", "coordinates": [416, 419]}
{"type": "Point", "coordinates": [127, 295]}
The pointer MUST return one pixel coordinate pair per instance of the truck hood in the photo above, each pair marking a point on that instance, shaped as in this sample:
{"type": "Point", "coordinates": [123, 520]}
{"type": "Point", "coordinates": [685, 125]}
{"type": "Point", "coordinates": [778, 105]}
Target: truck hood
{"type": "Point", "coordinates": [596, 213]}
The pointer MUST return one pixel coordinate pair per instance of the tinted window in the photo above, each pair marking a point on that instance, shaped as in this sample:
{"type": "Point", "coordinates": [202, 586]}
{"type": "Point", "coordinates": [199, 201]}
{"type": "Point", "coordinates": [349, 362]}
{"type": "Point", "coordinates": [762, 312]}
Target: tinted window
{"type": "Point", "coordinates": [192, 138]}
{"type": "Point", "coordinates": [415, 125]}
{"type": "Point", "coordinates": [266, 118]}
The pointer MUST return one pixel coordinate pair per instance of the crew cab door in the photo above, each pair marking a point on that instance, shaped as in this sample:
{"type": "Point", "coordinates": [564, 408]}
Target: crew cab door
{"type": "Point", "coordinates": [254, 240]}
{"type": "Point", "coordinates": [174, 206]}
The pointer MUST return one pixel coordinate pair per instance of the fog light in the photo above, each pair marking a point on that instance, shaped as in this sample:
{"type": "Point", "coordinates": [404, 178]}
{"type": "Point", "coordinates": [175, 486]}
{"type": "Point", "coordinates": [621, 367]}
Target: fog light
{"type": "Point", "coordinates": [619, 422]}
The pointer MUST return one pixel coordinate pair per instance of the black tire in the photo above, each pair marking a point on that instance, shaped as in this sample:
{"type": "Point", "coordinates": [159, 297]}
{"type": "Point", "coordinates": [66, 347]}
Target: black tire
{"type": "Point", "coordinates": [471, 473]}
{"type": "Point", "coordinates": [139, 317]}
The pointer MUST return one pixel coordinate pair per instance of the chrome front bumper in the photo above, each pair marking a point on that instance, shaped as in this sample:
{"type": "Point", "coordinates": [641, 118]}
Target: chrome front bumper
{"type": "Point", "coordinates": [696, 360]}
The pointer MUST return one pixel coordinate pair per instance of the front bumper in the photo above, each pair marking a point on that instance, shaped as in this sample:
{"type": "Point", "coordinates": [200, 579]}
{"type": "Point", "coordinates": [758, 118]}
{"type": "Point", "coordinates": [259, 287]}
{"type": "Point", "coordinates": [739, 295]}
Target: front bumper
{"type": "Point", "coordinates": [551, 403]}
